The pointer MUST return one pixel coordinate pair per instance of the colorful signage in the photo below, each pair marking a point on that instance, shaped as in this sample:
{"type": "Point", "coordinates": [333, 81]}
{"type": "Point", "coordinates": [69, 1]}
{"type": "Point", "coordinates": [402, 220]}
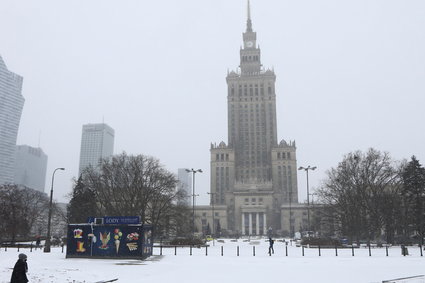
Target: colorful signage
{"type": "Point", "coordinates": [111, 241]}
{"type": "Point", "coordinates": [116, 220]}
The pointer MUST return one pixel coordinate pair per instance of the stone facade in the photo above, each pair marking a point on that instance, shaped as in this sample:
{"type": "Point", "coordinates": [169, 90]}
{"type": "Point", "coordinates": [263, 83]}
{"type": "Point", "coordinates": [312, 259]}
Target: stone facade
{"type": "Point", "coordinates": [204, 218]}
{"type": "Point", "coordinates": [253, 177]}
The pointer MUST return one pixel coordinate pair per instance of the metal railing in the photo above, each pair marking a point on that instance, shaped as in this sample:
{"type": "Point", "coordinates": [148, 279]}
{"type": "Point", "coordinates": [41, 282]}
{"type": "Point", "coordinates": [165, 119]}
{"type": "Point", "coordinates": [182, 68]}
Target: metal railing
{"type": "Point", "coordinates": [411, 279]}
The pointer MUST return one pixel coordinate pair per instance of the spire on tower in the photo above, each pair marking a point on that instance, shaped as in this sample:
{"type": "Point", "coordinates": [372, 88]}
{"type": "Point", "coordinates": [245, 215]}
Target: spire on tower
{"type": "Point", "coordinates": [248, 22]}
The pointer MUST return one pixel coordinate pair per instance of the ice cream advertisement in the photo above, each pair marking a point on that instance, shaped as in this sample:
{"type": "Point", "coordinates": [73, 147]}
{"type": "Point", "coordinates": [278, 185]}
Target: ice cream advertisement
{"type": "Point", "coordinates": [117, 238]}
{"type": "Point", "coordinates": [110, 241]}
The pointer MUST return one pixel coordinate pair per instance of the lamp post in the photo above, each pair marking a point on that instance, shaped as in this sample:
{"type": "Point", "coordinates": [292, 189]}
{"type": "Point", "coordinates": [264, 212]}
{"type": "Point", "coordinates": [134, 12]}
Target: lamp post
{"type": "Point", "coordinates": [193, 171]}
{"type": "Point", "coordinates": [47, 245]}
{"type": "Point", "coordinates": [306, 169]}
{"type": "Point", "coordinates": [290, 212]}
{"type": "Point", "coordinates": [313, 207]}
{"type": "Point", "coordinates": [213, 222]}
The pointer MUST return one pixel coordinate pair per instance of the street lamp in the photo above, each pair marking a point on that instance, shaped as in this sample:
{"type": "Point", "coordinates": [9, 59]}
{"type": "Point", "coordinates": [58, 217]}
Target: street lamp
{"type": "Point", "coordinates": [47, 245]}
{"type": "Point", "coordinates": [213, 222]}
{"type": "Point", "coordinates": [193, 171]}
{"type": "Point", "coordinates": [308, 193]}
{"type": "Point", "coordinates": [290, 213]}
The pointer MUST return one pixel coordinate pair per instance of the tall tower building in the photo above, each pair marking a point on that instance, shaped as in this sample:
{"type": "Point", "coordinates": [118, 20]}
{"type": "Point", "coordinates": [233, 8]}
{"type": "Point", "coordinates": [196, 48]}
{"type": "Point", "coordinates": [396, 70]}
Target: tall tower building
{"type": "Point", "coordinates": [11, 104]}
{"type": "Point", "coordinates": [30, 167]}
{"type": "Point", "coordinates": [253, 175]}
{"type": "Point", "coordinates": [97, 142]}
{"type": "Point", "coordinates": [184, 184]}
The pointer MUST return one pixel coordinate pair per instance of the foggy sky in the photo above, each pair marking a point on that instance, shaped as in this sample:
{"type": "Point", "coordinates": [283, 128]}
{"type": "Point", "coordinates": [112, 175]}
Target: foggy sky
{"type": "Point", "coordinates": [350, 76]}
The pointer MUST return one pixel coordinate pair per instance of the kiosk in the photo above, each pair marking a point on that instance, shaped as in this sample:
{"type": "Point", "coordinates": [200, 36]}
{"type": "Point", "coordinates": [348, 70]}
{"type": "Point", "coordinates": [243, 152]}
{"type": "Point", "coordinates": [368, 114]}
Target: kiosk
{"type": "Point", "coordinates": [110, 237]}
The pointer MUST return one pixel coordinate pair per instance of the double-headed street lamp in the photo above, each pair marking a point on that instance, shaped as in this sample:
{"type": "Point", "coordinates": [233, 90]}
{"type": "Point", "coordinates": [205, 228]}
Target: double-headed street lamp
{"type": "Point", "coordinates": [308, 193]}
{"type": "Point", "coordinates": [47, 245]}
{"type": "Point", "coordinates": [193, 171]}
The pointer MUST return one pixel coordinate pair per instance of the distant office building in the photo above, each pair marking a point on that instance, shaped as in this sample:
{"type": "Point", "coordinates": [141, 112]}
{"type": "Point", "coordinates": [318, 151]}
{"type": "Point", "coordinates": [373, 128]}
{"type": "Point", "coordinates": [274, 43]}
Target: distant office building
{"type": "Point", "coordinates": [184, 185]}
{"type": "Point", "coordinates": [30, 167]}
{"type": "Point", "coordinates": [11, 104]}
{"type": "Point", "coordinates": [97, 142]}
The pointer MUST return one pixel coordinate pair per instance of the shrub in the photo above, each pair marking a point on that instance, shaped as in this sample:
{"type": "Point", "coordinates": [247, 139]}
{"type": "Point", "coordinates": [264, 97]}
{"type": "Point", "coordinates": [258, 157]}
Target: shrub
{"type": "Point", "coordinates": [187, 242]}
{"type": "Point", "coordinates": [321, 242]}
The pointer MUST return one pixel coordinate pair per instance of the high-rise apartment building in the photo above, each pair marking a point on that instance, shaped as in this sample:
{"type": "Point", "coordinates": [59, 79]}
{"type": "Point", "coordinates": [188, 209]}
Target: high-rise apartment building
{"type": "Point", "coordinates": [97, 142]}
{"type": "Point", "coordinates": [30, 167]}
{"type": "Point", "coordinates": [253, 176]}
{"type": "Point", "coordinates": [11, 104]}
{"type": "Point", "coordinates": [184, 185]}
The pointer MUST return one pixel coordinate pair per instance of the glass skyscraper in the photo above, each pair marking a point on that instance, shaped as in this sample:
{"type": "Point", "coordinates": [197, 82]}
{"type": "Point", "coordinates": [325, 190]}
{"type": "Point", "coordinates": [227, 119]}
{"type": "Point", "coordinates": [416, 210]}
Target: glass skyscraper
{"type": "Point", "coordinates": [185, 185]}
{"type": "Point", "coordinates": [97, 142]}
{"type": "Point", "coordinates": [11, 104]}
{"type": "Point", "coordinates": [30, 167]}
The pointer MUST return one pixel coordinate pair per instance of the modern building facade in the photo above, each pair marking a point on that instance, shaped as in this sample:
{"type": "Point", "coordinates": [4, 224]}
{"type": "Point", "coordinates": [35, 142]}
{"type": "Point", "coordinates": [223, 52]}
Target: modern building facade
{"type": "Point", "coordinates": [30, 167]}
{"type": "Point", "coordinates": [184, 185]}
{"type": "Point", "coordinates": [254, 176]}
{"type": "Point", "coordinates": [97, 142]}
{"type": "Point", "coordinates": [11, 104]}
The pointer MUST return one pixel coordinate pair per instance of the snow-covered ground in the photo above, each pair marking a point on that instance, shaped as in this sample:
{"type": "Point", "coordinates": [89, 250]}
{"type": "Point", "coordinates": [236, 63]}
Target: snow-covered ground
{"type": "Point", "coordinates": [214, 268]}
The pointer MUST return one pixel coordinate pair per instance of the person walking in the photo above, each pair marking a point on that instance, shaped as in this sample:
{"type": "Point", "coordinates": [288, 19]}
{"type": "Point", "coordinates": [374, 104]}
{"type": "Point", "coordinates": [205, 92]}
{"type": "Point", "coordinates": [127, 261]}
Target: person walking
{"type": "Point", "coordinates": [37, 242]}
{"type": "Point", "coordinates": [19, 274]}
{"type": "Point", "coordinates": [271, 250]}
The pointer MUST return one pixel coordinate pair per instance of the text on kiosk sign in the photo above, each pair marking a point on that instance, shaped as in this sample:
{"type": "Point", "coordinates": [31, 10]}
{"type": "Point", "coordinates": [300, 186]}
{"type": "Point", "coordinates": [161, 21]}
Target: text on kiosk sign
{"type": "Point", "coordinates": [121, 220]}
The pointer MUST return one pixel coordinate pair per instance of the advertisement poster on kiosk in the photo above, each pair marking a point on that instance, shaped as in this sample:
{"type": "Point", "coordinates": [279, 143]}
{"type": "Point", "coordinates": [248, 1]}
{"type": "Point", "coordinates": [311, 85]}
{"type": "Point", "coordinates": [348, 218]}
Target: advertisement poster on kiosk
{"type": "Point", "coordinates": [109, 240]}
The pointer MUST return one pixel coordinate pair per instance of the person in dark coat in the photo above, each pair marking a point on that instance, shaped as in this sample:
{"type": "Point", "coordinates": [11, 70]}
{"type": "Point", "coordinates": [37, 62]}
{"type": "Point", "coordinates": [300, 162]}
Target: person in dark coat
{"type": "Point", "coordinates": [37, 242]}
{"type": "Point", "coordinates": [271, 250]}
{"type": "Point", "coordinates": [19, 274]}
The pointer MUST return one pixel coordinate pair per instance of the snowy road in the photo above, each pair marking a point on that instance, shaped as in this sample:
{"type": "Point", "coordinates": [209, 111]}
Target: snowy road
{"type": "Point", "coordinates": [311, 267]}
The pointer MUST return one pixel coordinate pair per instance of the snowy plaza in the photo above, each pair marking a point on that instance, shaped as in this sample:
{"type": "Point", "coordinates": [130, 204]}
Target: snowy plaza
{"type": "Point", "coordinates": [221, 263]}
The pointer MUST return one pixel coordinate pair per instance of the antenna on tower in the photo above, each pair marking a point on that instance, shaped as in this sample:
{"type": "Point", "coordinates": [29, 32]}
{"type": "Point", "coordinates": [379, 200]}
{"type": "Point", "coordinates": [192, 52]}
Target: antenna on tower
{"type": "Point", "coordinates": [39, 138]}
{"type": "Point", "coordinates": [249, 11]}
{"type": "Point", "coordinates": [249, 23]}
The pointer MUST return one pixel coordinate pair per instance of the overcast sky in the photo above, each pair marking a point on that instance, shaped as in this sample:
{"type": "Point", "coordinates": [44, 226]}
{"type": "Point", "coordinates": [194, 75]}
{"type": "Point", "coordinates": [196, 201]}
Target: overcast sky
{"type": "Point", "coordinates": [350, 76]}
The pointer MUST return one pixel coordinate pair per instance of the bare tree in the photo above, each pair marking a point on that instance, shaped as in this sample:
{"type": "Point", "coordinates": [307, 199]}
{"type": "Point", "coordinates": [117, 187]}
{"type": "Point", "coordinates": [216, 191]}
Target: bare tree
{"type": "Point", "coordinates": [21, 209]}
{"type": "Point", "coordinates": [361, 192]}
{"type": "Point", "coordinates": [131, 185]}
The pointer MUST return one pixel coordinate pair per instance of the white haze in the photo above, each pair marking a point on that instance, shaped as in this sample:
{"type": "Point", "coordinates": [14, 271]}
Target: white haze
{"type": "Point", "coordinates": [350, 75]}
